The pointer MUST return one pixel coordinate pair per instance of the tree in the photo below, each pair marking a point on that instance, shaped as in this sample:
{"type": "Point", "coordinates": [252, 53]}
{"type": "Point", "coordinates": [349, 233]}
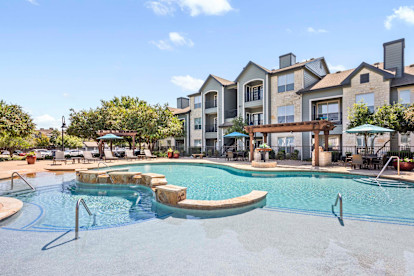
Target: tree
{"type": "Point", "coordinates": [53, 136]}
{"type": "Point", "coordinates": [42, 141]}
{"type": "Point", "coordinates": [238, 126]}
{"type": "Point", "coordinates": [14, 121]}
{"type": "Point", "coordinates": [69, 141]}
{"type": "Point", "coordinates": [12, 143]}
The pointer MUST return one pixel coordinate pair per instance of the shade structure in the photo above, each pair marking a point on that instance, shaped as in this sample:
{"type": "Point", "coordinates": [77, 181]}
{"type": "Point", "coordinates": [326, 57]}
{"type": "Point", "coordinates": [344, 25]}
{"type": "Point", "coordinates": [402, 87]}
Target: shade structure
{"type": "Point", "coordinates": [368, 129]}
{"type": "Point", "coordinates": [109, 137]}
{"type": "Point", "coordinates": [235, 135]}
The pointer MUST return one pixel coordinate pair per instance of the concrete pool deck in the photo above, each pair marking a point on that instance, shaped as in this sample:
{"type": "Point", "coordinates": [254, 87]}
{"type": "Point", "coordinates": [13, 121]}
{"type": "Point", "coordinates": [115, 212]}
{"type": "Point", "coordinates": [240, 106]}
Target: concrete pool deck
{"type": "Point", "coordinates": [259, 242]}
{"type": "Point", "coordinates": [6, 168]}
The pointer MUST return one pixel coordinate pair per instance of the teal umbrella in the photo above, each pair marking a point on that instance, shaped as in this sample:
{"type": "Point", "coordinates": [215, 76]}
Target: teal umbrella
{"type": "Point", "coordinates": [109, 137]}
{"type": "Point", "coordinates": [235, 135]}
{"type": "Point", "coordinates": [366, 130]}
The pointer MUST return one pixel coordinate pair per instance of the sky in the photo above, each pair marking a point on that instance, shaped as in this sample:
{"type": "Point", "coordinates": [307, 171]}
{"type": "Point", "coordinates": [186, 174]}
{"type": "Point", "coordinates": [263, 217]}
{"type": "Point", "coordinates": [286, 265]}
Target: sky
{"type": "Point", "coordinates": [58, 55]}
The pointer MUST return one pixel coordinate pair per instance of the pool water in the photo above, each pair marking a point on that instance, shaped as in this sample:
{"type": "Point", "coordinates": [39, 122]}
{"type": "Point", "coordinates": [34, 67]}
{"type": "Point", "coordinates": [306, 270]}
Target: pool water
{"type": "Point", "coordinates": [52, 206]}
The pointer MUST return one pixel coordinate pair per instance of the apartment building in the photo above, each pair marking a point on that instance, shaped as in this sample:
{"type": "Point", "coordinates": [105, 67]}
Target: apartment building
{"type": "Point", "coordinates": [295, 92]}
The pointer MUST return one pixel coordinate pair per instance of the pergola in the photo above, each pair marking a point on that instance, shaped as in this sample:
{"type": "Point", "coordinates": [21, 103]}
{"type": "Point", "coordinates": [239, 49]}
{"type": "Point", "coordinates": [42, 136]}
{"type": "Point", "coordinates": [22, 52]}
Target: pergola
{"type": "Point", "coordinates": [131, 133]}
{"type": "Point", "coordinates": [315, 126]}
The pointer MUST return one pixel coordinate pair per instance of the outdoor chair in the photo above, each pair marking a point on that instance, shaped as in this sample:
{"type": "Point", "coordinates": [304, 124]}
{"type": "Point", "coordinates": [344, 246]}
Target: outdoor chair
{"type": "Point", "coordinates": [357, 160]}
{"type": "Point", "coordinates": [87, 156]}
{"type": "Point", "coordinates": [59, 157]}
{"type": "Point", "coordinates": [229, 155]}
{"type": "Point", "coordinates": [109, 156]}
{"type": "Point", "coordinates": [129, 154]}
{"type": "Point", "coordinates": [148, 154]}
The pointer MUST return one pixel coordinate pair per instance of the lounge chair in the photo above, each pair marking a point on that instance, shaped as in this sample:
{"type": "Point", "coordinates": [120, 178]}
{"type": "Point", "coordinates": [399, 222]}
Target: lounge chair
{"type": "Point", "coordinates": [38, 155]}
{"type": "Point", "coordinates": [229, 155]}
{"type": "Point", "coordinates": [129, 154]}
{"type": "Point", "coordinates": [87, 156]}
{"type": "Point", "coordinates": [109, 156]}
{"type": "Point", "coordinates": [148, 154]}
{"type": "Point", "coordinates": [59, 157]}
{"type": "Point", "coordinates": [357, 160]}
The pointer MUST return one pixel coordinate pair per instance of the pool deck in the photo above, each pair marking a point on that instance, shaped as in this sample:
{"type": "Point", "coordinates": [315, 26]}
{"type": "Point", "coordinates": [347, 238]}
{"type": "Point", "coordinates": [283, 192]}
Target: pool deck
{"type": "Point", "coordinates": [259, 242]}
{"type": "Point", "coordinates": [6, 168]}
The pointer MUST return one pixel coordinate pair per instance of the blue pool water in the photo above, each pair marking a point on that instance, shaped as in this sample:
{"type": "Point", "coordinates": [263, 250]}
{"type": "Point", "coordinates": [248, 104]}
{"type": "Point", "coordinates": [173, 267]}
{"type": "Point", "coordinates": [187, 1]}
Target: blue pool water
{"type": "Point", "coordinates": [52, 206]}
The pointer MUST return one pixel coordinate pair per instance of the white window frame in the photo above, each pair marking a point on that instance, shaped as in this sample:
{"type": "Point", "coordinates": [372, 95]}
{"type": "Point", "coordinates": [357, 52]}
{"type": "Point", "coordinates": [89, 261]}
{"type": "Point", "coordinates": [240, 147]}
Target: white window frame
{"type": "Point", "coordinates": [285, 114]}
{"type": "Point", "coordinates": [400, 98]}
{"type": "Point", "coordinates": [250, 116]}
{"type": "Point", "coordinates": [252, 91]}
{"type": "Point", "coordinates": [196, 125]}
{"type": "Point", "coordinates": [197, 102]}
{"type": "Point", "coordinates": [282, 81]}
{"type": "Point", "coordinates": [406, 144]}
{"type": "Point", "coordinates": [364, 101]}
{"type": "Point", "coordinates": [327, 103]}
{"type": "Point", "coordinates": [197, 143]}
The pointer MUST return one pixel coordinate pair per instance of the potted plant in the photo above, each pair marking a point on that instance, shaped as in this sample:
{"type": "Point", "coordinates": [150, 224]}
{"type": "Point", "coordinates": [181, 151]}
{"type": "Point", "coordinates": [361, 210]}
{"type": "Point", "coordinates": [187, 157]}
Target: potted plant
{"type": "Point", "coordinates": [406, 164]}
{"type": "Point", "coordinates": [176, 154]}
{"type": "Point", "coordinates": [170, 153]}
{"type": "Point", "coordinates": [264, 147]}
{"type": "Point", "coordinates": [31, 158]}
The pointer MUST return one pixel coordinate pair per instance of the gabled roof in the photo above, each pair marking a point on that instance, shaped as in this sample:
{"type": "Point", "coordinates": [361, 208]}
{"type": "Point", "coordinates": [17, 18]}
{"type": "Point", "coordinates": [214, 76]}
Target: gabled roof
{"type": "Point", "coordinates": [385, 73]}
{"type": "Point", "coordinates": [177, 111]}
{"type": "Point", "coordinates": [406, 79]}
{"type": "Point", "coordinates": [301, 64]}
{"type": "Point", "coordinates": [221, 81]}
{"type": "Point", "coordinates": [329, 81]}
{"type": "Point", "coordinates": [254, 64]}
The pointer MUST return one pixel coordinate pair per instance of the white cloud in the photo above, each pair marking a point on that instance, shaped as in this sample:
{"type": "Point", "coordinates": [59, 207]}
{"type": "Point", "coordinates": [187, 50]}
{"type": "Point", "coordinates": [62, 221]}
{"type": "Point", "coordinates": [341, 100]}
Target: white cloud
{"type": "Point", "coordinates": [180, 40]}
{"type": "Point", "coordinates": [187, 83]}
{"type": "Point", "coordinates": [193, 7]}
{"type": "Point", "coordinates": [403, 13]}
{"type": "Point", "coordinates": [174, 39]}
{"type": "Point", "coordinates": [162, 45]}
{"type": "Point", "coordinates": [316, 31]}
{"type": "Point", "coordinates": [46, 121]}
{"type": "Point", "coordinates": [66, 95]}
{"type": "Point", "coordinates": [33, 2]}
{"type": "Point", "coordinates": [335, 68]}
{"type": "Point", "coordinates": [160, 7]}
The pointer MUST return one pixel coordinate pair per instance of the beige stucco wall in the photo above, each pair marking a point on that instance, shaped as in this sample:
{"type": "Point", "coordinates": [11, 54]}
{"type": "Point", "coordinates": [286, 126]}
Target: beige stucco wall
{"type": "Point", "coordinates": [286, 98]}
{"type": "Point", "coordinates": [376, 85]}
{"type": "Point", "coordinates": [195, 113]}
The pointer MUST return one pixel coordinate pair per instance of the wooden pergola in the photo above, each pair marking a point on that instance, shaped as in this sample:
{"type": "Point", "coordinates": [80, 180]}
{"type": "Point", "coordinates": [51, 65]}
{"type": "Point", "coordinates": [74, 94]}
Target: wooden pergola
{"type": "Point", "coordinates": [131, 133]}
{"type": "Point", "coordinates": [314, 126]}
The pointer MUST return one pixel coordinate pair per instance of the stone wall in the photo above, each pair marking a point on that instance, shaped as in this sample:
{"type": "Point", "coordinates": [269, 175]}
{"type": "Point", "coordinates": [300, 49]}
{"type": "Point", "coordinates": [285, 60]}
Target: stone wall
{"type": "Point", "coordinates": [376, 85]}
{"type": "Point", "coordinates": [195, 113]}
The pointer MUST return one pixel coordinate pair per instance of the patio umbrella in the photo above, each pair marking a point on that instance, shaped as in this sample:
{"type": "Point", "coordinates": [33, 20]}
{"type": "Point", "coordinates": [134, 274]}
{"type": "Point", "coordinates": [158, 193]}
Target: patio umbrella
{"type": "Point", "coordinates": [109, 137]}
{"type": "Point", "coordinates": [235, 135]}
{"type": "Point", "coordinates": [366, 130]}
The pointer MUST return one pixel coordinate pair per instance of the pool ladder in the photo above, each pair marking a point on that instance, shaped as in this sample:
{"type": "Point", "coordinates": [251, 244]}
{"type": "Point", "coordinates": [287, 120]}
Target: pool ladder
{"type": "Point", "coordinates": [386, 165]}
{"type": "Point", "coordinates": [338, 199]}
{"type": "Point", "coordinates": [21, 177]}
{"type": "Point", "coordinates": [110, 177]}
{"type": "Point", "coordinates": [77, 216]}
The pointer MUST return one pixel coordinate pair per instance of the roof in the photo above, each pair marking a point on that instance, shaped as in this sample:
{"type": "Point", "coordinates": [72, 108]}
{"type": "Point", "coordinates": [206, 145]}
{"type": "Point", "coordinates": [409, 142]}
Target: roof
{"type": "Point", "coordinates": [177, 111]}
{"type": "Point", "coordinates": [224, 82]}
{"type": "Point", "coordinates": [406, 79]}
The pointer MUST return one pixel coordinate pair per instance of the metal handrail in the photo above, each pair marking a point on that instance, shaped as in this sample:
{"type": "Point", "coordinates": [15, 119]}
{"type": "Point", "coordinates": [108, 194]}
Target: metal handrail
{"type": "Point", "coordinates": [77, 216]}
{"type": "Point", "coordinates": [338, 198]}
{"type": "Point", "coordinates": [386, 165]}
{"type": "Point", "coordinates": [21, 177]}
{"type": "Point", "coordinates": [110, 177]}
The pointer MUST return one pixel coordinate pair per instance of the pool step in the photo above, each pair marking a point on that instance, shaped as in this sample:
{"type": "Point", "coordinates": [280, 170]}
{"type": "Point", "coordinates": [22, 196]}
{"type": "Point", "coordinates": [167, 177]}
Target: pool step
{"type": "Point", "coordinates": [390, 183]}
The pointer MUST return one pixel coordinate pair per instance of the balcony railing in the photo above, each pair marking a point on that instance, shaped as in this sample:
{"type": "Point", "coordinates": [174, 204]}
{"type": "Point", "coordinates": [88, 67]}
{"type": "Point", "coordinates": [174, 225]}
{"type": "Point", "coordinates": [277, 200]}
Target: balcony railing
{"type": "Point", "coordinates": [211, 128]}
{"type": "Point", "coordinates": [230, 113]}
{"type": "Point", "coordinates": [335, 117]}
{"type": "Point", "coordinates": [211, 104]}
{"type": "Point", "coordinates": [255, 122]}
{"type": "Point", "coordinates": [253, 96]}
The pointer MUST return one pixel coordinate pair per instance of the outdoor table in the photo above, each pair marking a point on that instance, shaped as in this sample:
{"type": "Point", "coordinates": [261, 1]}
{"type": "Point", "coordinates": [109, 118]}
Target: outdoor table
{"type": "Point", "coordinates": [369, 159]}
{"type": "Point", "coordinates": [76, 158]}
{"type": "Point", "coordinates": [240, 154]}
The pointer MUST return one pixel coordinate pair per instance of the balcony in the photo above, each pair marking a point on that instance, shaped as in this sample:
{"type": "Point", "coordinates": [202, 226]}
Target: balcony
{"type": "Point", "coordinates": [255, 122]}
{"type": "Point", "coordinates": [211, 128]}
{"type": "Point", "coordinates": [335, 117]}
{"type": "Point", "coordinates": [253, 96]}
{"type": "Point", "coordinates": [211, 104]}
{"type": "Point", "coordinates": [232, 113]}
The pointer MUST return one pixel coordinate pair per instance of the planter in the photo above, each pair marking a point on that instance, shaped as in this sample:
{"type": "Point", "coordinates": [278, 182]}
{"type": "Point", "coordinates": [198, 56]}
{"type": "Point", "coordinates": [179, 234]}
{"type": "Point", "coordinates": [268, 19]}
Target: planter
{"type": "Point", "coordinates": [263, 149]}
{"type": "Point", "coordinates": [176, 155]}
{"type": "Point", "coordinates": [31, 160]}
{"type": "Point", "coordinates": [170, 154]}
{"type": "Point", "coordinates": [404, 166]}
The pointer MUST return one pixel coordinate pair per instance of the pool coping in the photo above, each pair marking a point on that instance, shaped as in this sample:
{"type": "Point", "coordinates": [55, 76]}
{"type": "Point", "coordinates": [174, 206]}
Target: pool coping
{"type": "Point", "coordinates": [9, 206]}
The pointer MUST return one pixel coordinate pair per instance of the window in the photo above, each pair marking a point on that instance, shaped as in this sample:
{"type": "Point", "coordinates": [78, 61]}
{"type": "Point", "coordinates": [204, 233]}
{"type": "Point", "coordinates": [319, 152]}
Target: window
{"type": "Point", "coordinates": [169, 143]}
{"type": "Point", "coordinates": [364, 78]}
{"type": "Point", "coordinates": [328, 111]}
{"type": "Point", "coordinates": [361, 141]}
{"type": "Point", "coordinates": [197, 143]}
{"type": "Point", "coordinates": [197, 102]}
{"type": "Point", "coordinates": [286, 144]}
{"type": "Point", "coordinates": [405, 140]}
{"type": "Point", "coordinates": [368, 99]}
{"type": "Point", "coordinates": [254, 93]}
{"type": "Point", "coordinates": [285, 114]}
{"type": "Point", "coordinates": [405, 97]}
{"type": "Point", "coordinates": [197, 123]}
{"type": "Point", "coordinates": [285, 82]}
{"type": "Point", "coordinates": [254, 119]}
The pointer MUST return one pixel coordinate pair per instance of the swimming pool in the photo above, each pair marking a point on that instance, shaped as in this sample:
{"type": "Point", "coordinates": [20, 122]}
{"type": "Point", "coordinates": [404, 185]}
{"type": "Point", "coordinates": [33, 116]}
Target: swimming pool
{"type": "Point", "coordinates": [51, 207]}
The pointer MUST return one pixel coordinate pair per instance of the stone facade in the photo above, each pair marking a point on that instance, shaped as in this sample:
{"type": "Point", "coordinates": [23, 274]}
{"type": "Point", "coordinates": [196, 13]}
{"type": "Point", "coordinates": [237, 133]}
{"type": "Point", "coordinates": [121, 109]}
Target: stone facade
{"type": "Point", "coordinates": [376, 85]}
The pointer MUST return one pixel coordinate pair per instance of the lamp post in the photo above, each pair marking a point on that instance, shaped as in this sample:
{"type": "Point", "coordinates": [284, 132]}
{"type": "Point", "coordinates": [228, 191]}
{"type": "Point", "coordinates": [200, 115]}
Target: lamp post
{"type": "Point", "coordinates": [63, 127]}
